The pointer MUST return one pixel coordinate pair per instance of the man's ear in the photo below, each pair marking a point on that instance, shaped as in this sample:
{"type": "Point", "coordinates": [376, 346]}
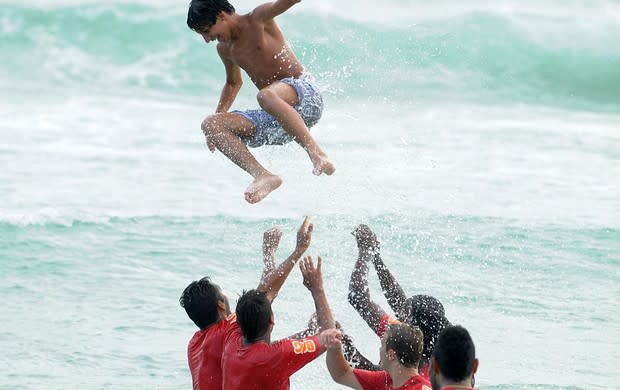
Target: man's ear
{"type": "Point", "coordinates": [272, 320]}
{"type": "Point", "coordinates": [474, 367]}
{"type": "Point", "coordinates": [391, 354]}
{"type": "Point", "coordinates": [221, 305]}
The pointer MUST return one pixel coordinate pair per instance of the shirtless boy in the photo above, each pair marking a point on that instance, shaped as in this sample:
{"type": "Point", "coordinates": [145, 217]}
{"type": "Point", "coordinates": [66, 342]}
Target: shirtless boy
{"type": "Point", "coordinates": [289, 99]}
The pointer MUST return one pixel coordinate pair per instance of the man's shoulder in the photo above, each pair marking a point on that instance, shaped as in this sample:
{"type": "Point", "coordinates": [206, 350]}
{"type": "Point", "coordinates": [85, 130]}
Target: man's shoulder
{"type": "Point", "coordinates": [417, 382]}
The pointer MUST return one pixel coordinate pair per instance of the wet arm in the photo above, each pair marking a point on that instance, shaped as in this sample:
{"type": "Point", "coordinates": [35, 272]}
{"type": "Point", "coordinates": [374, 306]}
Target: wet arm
{"type": "Point", "coordinates": [313, 280]}
{"type": "Point", "coordinates": [269, 11]}
{"type": "Point", "coordinates": [273, 279]}
{"type": "Point", "coordinates": [324, 316]}
{"type": "Point", "coordinates": [272, 282]}
{"type": "Point", "coordinates": [339, 369]}
{"type": "Point", "coordinates": [234, 81]}
{"type": "Point", "coordinates": [359, 293]}
{"type": "Point", "coordinates": [391, 289]}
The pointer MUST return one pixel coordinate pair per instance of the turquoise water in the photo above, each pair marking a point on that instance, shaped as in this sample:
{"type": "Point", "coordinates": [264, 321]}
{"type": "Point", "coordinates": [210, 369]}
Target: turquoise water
{"type": "Point", "coordinates": [479, 140]}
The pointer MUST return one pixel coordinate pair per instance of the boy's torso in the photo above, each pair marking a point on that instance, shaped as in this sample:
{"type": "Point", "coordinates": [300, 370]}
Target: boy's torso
{"type": "Point", "coordinates": [261, 51]}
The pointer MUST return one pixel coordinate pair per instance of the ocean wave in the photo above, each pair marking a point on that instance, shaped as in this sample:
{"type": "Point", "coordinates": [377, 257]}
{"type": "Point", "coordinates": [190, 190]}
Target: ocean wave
{"type": "Point", "coordinates": [514, 54]}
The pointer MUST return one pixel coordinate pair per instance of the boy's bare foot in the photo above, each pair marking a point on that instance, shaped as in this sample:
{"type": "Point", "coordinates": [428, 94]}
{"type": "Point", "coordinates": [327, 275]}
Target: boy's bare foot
{"type": "Point", "coordinates": [261, 187]}
{"type": "Point", "coordinates": [322, 165]}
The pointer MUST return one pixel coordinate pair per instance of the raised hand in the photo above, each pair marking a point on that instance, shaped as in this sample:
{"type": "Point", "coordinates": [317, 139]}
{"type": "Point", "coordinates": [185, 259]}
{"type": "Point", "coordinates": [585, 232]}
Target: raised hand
{"type": "Point", "coordinates": [313, 277]}
{"type": "Point", "coordinates": [330, 338]}
{"type": "Point", "coordinates": [304, 236]}
{"type": "Point", "coordinates": [366, 238]}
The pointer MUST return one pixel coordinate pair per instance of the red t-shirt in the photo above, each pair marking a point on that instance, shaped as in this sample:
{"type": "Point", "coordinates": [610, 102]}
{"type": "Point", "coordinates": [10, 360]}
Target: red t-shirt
{"type": "Point", "coordinates": [204, 354]}
{"type": "Point", "coordinates": [389, 320]}
{"type": "Point", "coordinates": [262, 365]}
{"type": "Point", "coordinates": [380, 380]}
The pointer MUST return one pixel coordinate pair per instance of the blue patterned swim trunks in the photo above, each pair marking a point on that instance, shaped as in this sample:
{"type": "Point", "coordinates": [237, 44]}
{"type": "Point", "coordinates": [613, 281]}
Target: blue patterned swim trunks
{"type": "Point", "coordinates": [268, 130]}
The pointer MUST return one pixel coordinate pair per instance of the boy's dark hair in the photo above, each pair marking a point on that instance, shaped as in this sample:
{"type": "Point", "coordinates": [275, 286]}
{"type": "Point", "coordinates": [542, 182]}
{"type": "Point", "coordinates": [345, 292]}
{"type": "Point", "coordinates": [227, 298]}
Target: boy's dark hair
{"type": "Point", "coordinates": [455, 353]}
{"type": "Point", "coordinates": [200, 300]}
{"type": "Point", "coordinates": [407, 342]}
{"type": "Point", "coordinates": [253, 314]}
{"type": "Point", "coordinates": [428, 314]}
{"type": "Point", "coordinates": [203, 13]}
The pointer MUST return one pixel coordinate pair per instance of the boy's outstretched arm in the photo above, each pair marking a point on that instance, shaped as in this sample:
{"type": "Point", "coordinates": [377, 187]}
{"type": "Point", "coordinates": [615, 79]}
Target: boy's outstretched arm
{"type": "Point", "coordinates": [273, 278]}
{"type": "Point", "coordinates": [359, 294]}
{"type": "Point", "coordinates": [269, 11]}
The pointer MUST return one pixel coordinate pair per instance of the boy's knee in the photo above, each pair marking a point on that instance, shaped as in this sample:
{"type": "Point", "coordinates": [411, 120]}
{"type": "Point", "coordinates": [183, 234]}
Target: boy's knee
{"type": "Point", "coordinates": [265, 98]}
{"type": "Point", "coordinates": [209, 125]}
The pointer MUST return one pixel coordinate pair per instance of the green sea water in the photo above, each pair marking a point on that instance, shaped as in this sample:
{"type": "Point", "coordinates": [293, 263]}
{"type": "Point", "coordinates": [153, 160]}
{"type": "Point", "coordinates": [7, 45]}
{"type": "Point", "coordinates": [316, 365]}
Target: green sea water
{"type": "Point", "coordinates": [480, 141]}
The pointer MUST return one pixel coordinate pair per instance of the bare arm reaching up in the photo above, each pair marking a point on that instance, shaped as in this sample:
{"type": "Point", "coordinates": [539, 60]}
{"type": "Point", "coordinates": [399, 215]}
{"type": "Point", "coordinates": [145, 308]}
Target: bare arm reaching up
{"type": "Point", "coordinates": [313, 280]}
{"type": "Point", "coordinates": [340, 371]}
{"type": "Point", "coordinates": [391, 289]}
{"type": "Point", "coordinates": [273, 278]}
{"type": "Point", "coordinates": [359, 294]}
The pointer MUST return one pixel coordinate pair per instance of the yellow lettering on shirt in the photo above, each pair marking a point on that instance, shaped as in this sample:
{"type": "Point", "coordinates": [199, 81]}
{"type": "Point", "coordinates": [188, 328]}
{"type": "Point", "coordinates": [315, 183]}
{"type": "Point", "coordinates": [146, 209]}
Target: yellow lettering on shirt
{"type": "Point", "coordinates": [303, 346]}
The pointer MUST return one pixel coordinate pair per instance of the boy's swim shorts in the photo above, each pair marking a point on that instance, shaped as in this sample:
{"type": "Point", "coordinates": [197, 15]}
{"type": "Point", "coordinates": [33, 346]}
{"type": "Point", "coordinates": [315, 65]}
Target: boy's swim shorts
{"type": "Point", "coordinates": [269, 131]}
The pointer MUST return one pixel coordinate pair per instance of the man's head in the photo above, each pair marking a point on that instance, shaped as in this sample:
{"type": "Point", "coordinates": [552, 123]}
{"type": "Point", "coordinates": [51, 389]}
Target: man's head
{"type": "Point", "coordinates": [203, 14]}
{"type": "Point", "coordinates": [427, 313]}
{"type": "Point", "coordinates": [254, 315]}
{"type": "Point", "coordinates": [401, 344]}
{"type": "Point", "coordinates": [204, 302]}
{"type": "Point", "coordinates": [454, 359]}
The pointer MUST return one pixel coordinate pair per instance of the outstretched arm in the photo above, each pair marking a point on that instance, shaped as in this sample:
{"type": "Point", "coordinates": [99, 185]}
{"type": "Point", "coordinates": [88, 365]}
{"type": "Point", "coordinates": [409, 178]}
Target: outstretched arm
{"type": "Point", "coordinates": [313, 280]}
{"type": "Point", "coordinates": [269, 11]}
{"type": "Point", "coordinates": [391, 289]}
{"type": "Point", "coordinates": [359, 294]}
{"type": "Point", "coordinates": [273, 278]}
{"type": "Point", "coordinates": [339, 369]}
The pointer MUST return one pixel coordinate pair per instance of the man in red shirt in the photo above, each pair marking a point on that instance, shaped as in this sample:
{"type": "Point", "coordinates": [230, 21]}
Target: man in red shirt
{"type": "Point", "coordinates": [423, 311]}
{"type": "Point", "coordinates": [252, 361]}
{"type": "Point", "coordinates": [208, 307]}
{"type": "Point", "coordinates": [401, 349]}
{"type": "Point", "coordinates": [454, 362]}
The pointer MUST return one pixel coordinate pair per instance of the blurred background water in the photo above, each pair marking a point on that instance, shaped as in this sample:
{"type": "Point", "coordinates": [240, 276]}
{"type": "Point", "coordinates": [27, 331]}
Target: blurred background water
{"type": "Point", "coordinates": [479, 140]}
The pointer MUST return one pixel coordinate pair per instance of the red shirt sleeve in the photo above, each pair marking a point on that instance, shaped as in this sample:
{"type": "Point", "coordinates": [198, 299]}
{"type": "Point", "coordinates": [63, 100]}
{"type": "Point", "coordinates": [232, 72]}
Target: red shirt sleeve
{"type": "Point", "coordinates": [294, 354]}
{"type": "Point", "coordinates": [376, 380]}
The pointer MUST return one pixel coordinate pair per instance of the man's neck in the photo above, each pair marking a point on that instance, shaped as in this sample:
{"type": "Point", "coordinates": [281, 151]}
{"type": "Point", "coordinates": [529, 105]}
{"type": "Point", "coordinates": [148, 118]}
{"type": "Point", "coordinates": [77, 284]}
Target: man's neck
{"type": "Point", "coordinates": [401, 374]}
{"type": "Point", "coordinates": [236, 22]}
{"type": "Point", "coordinates": [264, 339]}
{"type": "Point", "coordinates": [464, 385]}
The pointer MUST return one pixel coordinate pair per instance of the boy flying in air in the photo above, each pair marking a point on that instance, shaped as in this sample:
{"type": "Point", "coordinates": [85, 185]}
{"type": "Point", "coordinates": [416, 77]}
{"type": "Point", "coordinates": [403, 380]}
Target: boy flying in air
{"type": "Point", "coordinates": [289, 99]}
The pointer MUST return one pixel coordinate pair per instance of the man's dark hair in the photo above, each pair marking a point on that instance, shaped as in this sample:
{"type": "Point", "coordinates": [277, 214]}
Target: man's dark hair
{"type": "Point", "coordinates": [200, 300]}
{"type": "Point", "coordinates": [428, 314]}
{"type": "Point", "coordinates": [407, 342]}
{"type": "Point", "coordinates": [203, 13]}
{"type": "Point", "coordinates": [455, 353]}
{"type": "Point", "coordinates": [253, 314]}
